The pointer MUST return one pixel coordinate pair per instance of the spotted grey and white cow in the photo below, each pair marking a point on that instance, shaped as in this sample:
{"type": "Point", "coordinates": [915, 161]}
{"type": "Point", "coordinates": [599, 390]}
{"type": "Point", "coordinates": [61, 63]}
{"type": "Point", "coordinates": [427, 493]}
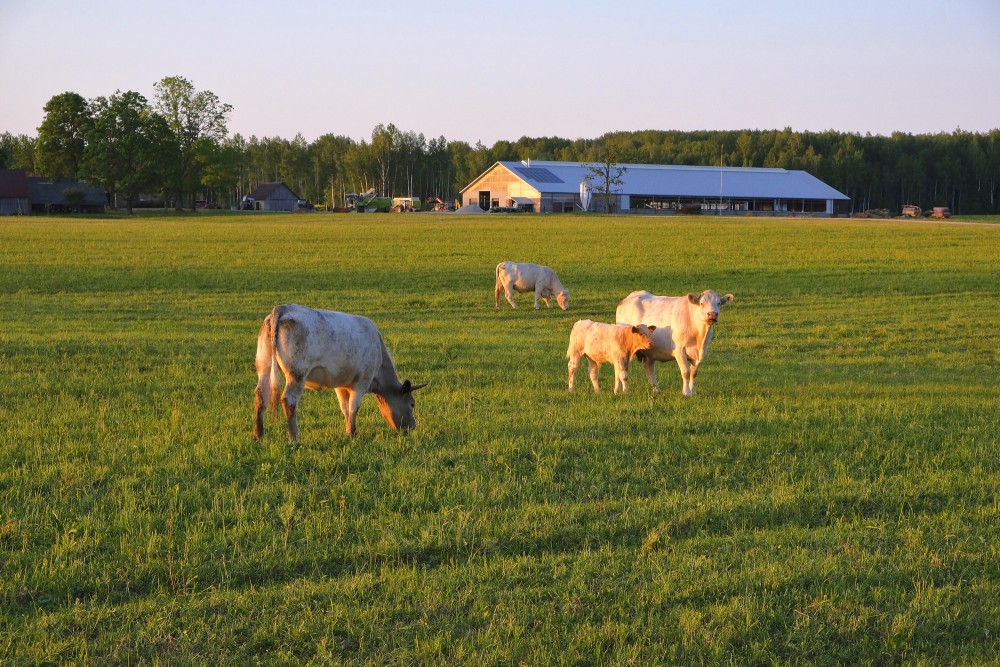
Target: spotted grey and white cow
{"type": "Point", "coordinates": [324, 349]}
{"type": "Point", "coordinates": [684, 326]}
{"type": "Point", "coordinates": [600, 343]}
{"type": "Point", "coordinates": [526, 277]}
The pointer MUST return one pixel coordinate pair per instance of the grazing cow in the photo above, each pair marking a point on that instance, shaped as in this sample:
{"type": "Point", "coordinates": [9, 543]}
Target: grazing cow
{"type": "Point", "coordinates": [614, 343]}
{"type": "Point", "coordinates": [323, 349]}
{"type": "Point", "coordinates": [526, 277]}
{"type": "Point", "coordinates": [684, 329]}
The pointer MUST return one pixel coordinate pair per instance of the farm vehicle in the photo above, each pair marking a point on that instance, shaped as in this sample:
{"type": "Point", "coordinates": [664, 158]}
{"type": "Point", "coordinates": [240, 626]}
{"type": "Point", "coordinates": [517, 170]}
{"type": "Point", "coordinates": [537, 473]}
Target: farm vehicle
{"type": "Point", "coordinates": [368, 202]}
{"type": "Point", "coordinates": [439, 204]}
{"type": "Point", "coordinates": [404, 204]}
{"type": "Point", "coordinates": [938, 212]}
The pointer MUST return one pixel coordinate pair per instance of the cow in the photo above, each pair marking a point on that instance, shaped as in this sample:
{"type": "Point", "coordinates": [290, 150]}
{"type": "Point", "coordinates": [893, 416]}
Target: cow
{"type": "Point", "coordinates": [324, 349]}
{"type": "Point", "coordinates": [600, 342]}
{"type": "Point", "coordinates": [684, 329]}
{"type": "Point", "coordinates": [527, 277]}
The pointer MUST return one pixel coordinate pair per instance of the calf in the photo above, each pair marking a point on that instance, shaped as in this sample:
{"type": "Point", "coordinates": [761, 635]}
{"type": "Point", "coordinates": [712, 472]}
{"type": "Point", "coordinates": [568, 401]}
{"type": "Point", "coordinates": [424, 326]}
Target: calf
{"type": "Point", "coordinates": [525, 277]}
{"type": "Point", "coordinates": [614, 343]}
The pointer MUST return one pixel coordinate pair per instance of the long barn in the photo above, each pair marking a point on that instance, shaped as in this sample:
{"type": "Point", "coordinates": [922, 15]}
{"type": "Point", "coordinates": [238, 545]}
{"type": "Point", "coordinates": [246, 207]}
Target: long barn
{"type": "Point", "coordinates": [547, 187]}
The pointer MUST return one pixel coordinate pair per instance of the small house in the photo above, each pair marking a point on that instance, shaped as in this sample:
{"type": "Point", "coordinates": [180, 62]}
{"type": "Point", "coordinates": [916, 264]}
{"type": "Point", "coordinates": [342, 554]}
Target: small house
{"type": "Point", "coordinates": [273, 197]}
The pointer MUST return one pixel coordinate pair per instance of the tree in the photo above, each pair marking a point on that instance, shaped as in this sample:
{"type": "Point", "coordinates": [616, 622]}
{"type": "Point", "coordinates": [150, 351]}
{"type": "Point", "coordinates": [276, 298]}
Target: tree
{"type": "Point", "coordinates": [74, 198]}
{"type": "Point", "coordinates": [62, 136]}
{"type": "Point", "coordinates": [296, 166]}
{"type": "Point", "coordinates": [329, 154]}
{"type": "Point", "coordinates": [192, 117]}
{"type": "Point", "coordinates": [605, 177]}
{"type": "Point", "coordinates": [129, 146]}
{"type": "Point", "coordinates": [384, 146]}
{"type": "Point", "coordinates": [17, 152]}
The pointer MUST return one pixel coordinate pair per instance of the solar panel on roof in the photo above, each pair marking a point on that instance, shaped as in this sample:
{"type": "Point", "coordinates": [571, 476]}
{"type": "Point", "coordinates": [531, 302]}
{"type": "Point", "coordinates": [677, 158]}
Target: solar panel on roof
{"type": "Point", "coordinates": [539, 174]}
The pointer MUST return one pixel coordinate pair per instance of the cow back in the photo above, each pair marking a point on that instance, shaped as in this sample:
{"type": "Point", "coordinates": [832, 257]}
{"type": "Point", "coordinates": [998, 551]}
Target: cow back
{"type": "Point", "coordinates": [329, 348]}
{"type": "Point", "coordinates": [667, 313]}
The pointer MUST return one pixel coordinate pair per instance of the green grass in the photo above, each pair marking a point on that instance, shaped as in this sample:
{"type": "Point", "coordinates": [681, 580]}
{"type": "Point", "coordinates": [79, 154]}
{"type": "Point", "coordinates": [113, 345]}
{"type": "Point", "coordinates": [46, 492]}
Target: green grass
{"type": "Point", "coordinates": [829, 496]}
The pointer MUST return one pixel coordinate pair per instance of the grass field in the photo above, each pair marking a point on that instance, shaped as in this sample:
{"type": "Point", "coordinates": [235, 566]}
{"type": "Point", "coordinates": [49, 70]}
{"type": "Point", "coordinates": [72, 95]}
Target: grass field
{"type": "Point", "coordinates": [830, 495]}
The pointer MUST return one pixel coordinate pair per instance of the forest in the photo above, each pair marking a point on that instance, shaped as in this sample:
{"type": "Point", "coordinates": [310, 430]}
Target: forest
{"type": "Point", "coordinates": [176, 149]}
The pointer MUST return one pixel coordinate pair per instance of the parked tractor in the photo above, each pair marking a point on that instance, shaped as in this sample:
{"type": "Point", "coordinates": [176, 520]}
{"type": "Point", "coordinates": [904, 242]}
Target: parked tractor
{"type": "Point", "coordinates": [405, 204]}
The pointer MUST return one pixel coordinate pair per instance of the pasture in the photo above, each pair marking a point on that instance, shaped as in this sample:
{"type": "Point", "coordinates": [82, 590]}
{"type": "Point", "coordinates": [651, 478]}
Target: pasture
{"type": "Point", "coordinates": [829, 496]}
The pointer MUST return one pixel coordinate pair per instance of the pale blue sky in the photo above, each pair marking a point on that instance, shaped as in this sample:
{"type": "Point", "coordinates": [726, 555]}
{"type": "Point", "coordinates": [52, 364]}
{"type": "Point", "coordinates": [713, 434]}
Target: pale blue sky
{"type": "Point", "coordinates": [505, 70]}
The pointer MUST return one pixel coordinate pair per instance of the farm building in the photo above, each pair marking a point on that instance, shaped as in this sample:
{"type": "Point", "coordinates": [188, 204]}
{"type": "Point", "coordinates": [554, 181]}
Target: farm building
{"type": "Point", "coordinates": [50, 197]}
{"type": "Point", "coordinates": [14, 192]}
{"type": "Point", "coordinates": [273, 197]}
{"type": "Point", "coordinates": [547, 187]}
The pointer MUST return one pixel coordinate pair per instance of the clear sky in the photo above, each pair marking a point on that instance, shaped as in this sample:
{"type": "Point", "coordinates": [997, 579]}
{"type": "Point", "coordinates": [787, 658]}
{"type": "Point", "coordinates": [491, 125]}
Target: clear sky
{"type": "Point", "coordinates": [488, 71]}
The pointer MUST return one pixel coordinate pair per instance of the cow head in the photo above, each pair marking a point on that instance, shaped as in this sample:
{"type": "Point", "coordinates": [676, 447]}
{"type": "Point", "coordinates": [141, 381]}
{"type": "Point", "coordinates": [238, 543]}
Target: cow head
{"type": "Point", "coordinates": [396, 406]}
{"type": "Point", "coordinates": [563, 299]}
{"type": "Point", "coordinates": [642, 337]}
{"type": "Point", "coordinates": [709, 304]}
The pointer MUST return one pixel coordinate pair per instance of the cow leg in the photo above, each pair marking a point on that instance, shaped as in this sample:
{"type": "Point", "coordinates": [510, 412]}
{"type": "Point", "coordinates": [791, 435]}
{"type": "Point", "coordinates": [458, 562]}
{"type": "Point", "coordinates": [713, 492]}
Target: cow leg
{"type": "Point", "coordinates": [687, 378]}
{"type": "Point", "coordinates": [538, 295]}
{"type": "Point", "coordinates": [621, 376]}
{"type": "Point", "coordinates": [290, 402]}
{"type": "Point", "coordinates": [595, 368]}
{"type": "Point", "coordinates": [649, 365]}
{"type": "Point", "coordinates": [344, 398]}
{"type": "Point", "coordinates": [508, 292]}
{"type": "Point", "coordinates": [574, 364]}
{"type": "Point", "coordinates": [353, 404]}
{"type": "Point", "coordinates": [694, 374]}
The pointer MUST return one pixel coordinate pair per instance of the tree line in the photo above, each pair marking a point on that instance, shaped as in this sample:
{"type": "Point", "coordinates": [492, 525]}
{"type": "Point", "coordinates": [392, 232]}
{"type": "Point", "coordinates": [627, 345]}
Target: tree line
{"type": "Point", "coordinates": [177, 148]}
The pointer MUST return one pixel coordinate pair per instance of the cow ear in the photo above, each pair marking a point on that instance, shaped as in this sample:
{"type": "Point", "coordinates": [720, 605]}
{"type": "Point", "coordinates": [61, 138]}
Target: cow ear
{"type": "Point", "coordinates": [635, 329]}
{"type": "Point", "coordinates": [652, 328]}
{"type": "Point", "coordinates": [692, 298]}
{"type": "Point", "coordinates": [410, 388]}
{"type": "Point", "coordinates": [726, 299]}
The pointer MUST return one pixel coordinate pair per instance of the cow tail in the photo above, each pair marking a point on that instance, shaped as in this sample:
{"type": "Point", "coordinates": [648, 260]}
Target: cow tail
{"type": "Point", "coordinates": [274, 383]}
{"type": "Point", "coordinates": [497, 285]}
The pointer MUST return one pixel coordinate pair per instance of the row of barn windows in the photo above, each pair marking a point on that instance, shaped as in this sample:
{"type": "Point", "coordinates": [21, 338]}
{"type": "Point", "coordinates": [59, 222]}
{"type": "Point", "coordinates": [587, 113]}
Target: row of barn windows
{"type": "Point", "coordinates": [659, 203]}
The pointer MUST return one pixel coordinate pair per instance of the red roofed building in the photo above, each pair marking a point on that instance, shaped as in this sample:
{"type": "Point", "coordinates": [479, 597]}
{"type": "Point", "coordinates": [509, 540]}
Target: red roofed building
{"type": "Point", "coordinates": [14, 192]}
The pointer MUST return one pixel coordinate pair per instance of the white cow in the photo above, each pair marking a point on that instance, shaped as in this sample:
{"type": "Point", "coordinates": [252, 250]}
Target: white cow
{"type": "Point", "coordinates": [526, 277]}
{"type": "Point", "coordinates": [324, 349]}
{"type": "Point", "coordinates": [684, 329]}
{"type": "Point", "coordinates": [614, 343]}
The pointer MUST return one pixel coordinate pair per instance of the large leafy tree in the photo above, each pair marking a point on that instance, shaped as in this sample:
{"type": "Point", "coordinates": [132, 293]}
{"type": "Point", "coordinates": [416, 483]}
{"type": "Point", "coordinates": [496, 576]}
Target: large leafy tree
{"type": "Point", "coordinates": [62, 136]}
{"type": "Point", "coordinates": [17, 151]}
{"type": "Point", "coordinates": [129, 146]}
{"type": "Point", "coordinates": [194, 117]}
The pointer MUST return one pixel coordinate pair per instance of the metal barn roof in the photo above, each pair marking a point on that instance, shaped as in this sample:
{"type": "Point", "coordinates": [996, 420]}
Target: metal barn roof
{"type": "Point", "coordinates": [666, 180]}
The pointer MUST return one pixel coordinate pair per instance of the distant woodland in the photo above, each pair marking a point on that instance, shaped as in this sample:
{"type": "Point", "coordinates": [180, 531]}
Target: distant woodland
{"type": "Point", "coordinates": [175, 149]}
